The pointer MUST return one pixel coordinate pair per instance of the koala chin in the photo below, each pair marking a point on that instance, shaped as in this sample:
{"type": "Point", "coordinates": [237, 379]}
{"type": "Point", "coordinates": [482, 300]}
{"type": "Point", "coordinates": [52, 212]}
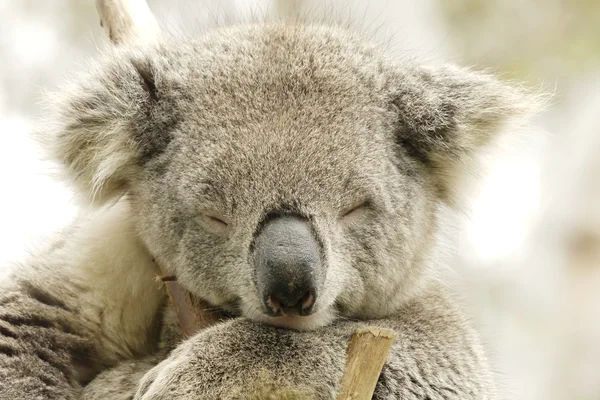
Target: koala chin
{"type": "Point", "coordinates": [289, 173]}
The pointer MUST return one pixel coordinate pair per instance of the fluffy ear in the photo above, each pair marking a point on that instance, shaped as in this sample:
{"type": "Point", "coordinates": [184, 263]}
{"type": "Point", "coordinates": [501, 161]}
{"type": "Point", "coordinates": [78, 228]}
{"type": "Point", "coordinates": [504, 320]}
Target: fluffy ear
{"type": "Point", "coordinates": [110, 122]}
{"type": "Point", "coordinates": [446, 115]}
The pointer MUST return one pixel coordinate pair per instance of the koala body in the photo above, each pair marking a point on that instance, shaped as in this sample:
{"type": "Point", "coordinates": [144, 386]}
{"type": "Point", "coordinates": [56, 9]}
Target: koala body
{"type": "Point", "coordinates": [288, 174]}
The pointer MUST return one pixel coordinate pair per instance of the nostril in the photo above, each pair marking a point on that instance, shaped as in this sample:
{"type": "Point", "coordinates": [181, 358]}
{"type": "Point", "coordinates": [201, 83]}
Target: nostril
{"type": "Point", "coordinates": [300, 305]}
{"type": "Point", "coordinates": [306, 302]}
{"type": "Point", "coordinates": [273, 305]}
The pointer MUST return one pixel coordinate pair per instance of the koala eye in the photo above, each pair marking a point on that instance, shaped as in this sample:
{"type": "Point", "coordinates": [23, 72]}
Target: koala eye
{"type": "Point", "coordinates": [215, 221]}
{"type": "Point", "coordinates": [355, 212]}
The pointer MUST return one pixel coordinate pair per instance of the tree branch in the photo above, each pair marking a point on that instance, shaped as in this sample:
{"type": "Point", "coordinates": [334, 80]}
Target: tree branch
{"type": "Point", "coordinates": [367, 352]}
{"type": "Point", "coordinates": [126, 21]}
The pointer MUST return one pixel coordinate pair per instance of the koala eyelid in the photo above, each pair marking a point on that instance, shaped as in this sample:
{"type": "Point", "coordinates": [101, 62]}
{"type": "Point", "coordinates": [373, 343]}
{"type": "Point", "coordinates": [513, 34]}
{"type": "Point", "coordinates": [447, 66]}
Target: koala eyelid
{"type": "Point", "coordinates": [363, 205]}
{"type": "Point", "coordinates": [216, 219]}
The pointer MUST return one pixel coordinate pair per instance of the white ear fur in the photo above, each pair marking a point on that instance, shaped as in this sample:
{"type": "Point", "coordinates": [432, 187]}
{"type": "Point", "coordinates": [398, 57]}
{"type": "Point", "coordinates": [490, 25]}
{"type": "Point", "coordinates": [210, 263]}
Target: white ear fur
{"type": "Point", "coordinates": [92, 127]}
{"type": "Point", "coordinates": [448, 115]}
{"type": "Point", "coordinates": [92, 132]}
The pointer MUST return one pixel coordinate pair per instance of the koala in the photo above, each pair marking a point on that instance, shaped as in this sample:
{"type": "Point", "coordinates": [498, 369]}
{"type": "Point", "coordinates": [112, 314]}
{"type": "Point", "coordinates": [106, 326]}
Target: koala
{"type": "Point", "coordinates": [291, 175]}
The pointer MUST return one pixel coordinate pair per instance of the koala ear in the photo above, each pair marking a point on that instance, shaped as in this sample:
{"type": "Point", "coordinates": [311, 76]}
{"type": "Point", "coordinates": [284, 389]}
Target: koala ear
{"type": "Point", "coordinates": [447, 115]}
{"type": "Point", "coordinates": [108, 124]}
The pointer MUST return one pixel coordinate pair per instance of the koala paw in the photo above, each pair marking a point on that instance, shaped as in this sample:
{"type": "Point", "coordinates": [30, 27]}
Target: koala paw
{"type": "Point", "coordinates": [243, 360]}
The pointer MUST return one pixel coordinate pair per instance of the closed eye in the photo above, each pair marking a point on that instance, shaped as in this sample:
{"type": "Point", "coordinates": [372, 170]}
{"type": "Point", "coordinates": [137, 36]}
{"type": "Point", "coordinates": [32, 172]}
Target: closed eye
{"type": "Point", "coordinates": [215, 222]}
{"type": "Point", "coordinates": [355, 212]}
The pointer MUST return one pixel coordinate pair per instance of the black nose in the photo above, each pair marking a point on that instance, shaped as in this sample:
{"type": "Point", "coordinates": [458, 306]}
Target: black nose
{"type": "Point", "coordinates": [287, 259]}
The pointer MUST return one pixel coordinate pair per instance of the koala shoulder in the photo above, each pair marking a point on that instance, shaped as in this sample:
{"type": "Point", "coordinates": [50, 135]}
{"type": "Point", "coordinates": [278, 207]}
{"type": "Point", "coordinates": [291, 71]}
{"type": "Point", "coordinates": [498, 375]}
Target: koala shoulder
{"type": "Point", "coordinates": [437, 354]}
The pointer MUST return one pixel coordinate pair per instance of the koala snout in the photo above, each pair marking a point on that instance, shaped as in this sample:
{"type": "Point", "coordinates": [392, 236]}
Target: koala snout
{"type": "Point", "coordinates": [287, 261]}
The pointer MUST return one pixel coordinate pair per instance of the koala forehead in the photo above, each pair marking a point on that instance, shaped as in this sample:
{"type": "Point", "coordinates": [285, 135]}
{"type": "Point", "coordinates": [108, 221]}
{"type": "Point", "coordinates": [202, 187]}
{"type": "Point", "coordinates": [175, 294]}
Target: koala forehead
{"type": "Point", "coordinates": [249, 75]}
{"type": "Point", "coordinates": [280, 111]}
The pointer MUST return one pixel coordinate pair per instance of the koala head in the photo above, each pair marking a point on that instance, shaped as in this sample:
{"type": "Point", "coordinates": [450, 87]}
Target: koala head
{"type": "Point", "coordinates": [288, 173]}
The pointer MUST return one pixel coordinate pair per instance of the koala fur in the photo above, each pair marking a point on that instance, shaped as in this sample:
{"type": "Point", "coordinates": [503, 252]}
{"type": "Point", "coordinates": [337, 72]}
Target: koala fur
{"type": "Point", "coordinates": [184, 148]}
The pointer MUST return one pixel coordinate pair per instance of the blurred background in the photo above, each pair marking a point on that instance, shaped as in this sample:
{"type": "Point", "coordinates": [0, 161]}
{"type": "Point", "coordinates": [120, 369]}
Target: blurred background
{"type": "Point", "coordinates": [525, 254]}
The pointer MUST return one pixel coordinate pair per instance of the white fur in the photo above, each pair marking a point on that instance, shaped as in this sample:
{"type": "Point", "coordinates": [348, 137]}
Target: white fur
{"type": "Point", "coordinates": [109, 276]}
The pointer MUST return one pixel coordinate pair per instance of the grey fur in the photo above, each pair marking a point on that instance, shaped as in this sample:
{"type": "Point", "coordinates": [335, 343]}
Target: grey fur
{"type": "Point", "coordinates": [423, 363]}
{"type": "Point", "coordinates": [247, 121]}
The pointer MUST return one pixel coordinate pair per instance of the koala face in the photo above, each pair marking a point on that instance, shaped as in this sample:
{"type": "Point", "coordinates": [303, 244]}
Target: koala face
{"type": "Point", "coordinates": [286, 173]}
{"type": "Point", "coordinates": [308, 212]}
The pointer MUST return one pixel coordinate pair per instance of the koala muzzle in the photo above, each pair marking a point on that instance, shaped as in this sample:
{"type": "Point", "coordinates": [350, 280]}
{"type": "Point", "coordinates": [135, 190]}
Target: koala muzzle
{"type": "Point", "coordinates": [289, 271]}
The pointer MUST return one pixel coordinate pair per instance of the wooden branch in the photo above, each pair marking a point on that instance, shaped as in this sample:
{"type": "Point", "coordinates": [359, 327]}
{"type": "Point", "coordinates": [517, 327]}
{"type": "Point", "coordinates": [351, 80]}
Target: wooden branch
{"type": "Point", "coordinates": [367, 352]}
{"type": "Point", "coordinates": [126, 21]}
{"type": "Point", "coordinates": [192, 314]}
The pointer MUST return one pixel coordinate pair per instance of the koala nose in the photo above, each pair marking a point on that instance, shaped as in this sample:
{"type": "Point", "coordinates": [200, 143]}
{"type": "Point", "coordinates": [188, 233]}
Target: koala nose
{"type": "Point", "coordinates": [287, 260]}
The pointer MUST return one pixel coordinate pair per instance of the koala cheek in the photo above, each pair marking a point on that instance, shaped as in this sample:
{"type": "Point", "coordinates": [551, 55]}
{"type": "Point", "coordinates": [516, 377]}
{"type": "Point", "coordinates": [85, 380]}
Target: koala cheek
{"type": "Point", "coordinates": [344, 285]}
